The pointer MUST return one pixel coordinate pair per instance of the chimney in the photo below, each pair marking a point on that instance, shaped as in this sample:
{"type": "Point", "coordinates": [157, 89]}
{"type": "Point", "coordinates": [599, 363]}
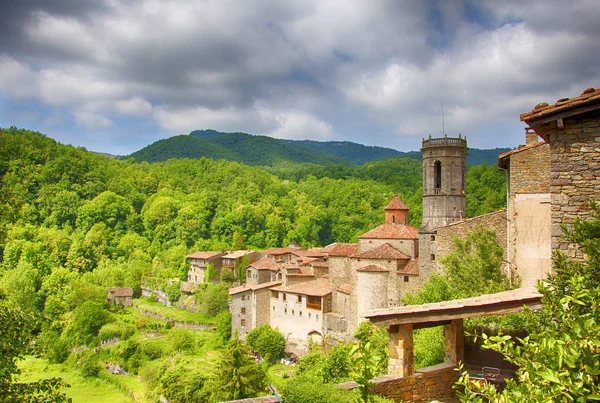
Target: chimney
{"type": "Point", "coordinates": [531, 137]}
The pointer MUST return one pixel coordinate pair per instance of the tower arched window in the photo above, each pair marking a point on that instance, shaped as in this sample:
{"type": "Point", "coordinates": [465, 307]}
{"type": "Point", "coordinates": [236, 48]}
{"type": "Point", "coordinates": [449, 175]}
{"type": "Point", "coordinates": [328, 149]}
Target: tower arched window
{"type": "Point", "coordinates": [393, 219]}
{"type": "Point", "coordinates": [437, 175]}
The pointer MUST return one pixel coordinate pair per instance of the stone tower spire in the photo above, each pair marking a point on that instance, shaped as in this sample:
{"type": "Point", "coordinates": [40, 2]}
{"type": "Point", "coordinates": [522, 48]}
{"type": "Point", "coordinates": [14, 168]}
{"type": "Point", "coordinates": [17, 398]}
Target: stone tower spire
{"type": "Point", "coordinates": [444, 176]}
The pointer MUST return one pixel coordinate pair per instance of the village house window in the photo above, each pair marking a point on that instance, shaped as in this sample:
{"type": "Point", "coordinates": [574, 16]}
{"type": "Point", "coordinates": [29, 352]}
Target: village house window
{"type": "Point", "coordinates": [437, 175]}
{"type": "Point", "coordinates": [284, 297]}
{"type": "Point", "coordinates": [313, 302]}
{"type": "Point", "coordinates": [293, 312]}
{"type": "Point", "coordinates": [300, 313]}
{"type": "Point", "coordinates": [285, 311]}
{"type": "Point", "coordinates": [243, 310]}
{"type": "Point", "coordinates": [273, 307]}
{"type": "Point", "coordinates": [309, 315]}
{"type": "Point", "coordinates": [432, 237]}
{"type": "Point", "coordinates": [317, 317]}
{"type": "Point", "coordinates": [406, 279]}
{"type": "Point", "coordinates": [432, 257]}
{"type": "Point", "coordinates": [299, 299]}
{"type": "Point", "coordinates": [274, 294]}
{"type": "Point", "coordinates": [243, 322]}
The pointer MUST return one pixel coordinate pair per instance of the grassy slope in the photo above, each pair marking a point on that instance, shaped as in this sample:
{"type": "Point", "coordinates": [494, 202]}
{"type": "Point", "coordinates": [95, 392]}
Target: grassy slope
{"type": "Point", "coordinates": [173, 313]}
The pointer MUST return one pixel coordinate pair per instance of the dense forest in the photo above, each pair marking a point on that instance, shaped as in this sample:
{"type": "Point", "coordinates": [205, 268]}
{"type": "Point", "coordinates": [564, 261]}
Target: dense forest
{"type": "Point", "coordinates": [74, 222]}
{"type": "Point", "coordinates": [267, 151]}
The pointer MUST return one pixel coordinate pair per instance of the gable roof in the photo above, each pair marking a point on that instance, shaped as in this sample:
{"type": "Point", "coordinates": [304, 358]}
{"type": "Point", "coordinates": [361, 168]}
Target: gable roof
{"type": "Point", "coordinates": [396, 204]}
{"type": "Point", "coordinates": [314, 288]}
{"type": "Point", "coordinates": [344, 249]}
{"type": "Point", "coordinates": [283, 251]}
{"type": "Point", "coordinates": [411, 268]}
{"type": "Point", "coordinates": [252, 287]}
{"type": "Point", "coordinates": [204, 255]}
{"type": "Point", "coordinates": [373, 268]}
{"type": "Point", "coordinates": [120, 292]}
{"type": "Point", "coordinates": [237, 254]}
{"type": "Point", "coordinates": [392, 231]}
{"type": "Point", "coordinates": [385, 251]}
{"type": "Point", "coordinates": [265, 264]}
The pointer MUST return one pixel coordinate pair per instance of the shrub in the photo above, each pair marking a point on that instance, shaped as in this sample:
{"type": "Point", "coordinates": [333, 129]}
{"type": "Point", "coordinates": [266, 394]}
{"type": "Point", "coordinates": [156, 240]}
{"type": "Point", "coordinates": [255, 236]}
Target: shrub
{"type": "Point", "coordinates": [173, 292]}
{"type": "Point", "coordinates": [223, 323]}
{"type": "Point", "coordinates": [227, 276]}
{"type": "Point", "coordinates": [151, 350]}
{"type": "Point", "coordinates": [181, 340]}
{"type": "Point", "coordinates": [267, 342]}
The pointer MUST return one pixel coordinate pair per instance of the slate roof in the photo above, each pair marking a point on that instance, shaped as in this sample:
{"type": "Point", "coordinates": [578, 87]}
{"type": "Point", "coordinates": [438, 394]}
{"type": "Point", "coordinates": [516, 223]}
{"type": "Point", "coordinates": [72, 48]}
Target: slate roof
{"type": "Point", "coordinates": [385, 251]}
{"type": "Point", "coordinates": [373, 268]}
{"type": "Point", "coordinates": [204, 255]}
{"type": "Point", "coordinates": [396, 204]}
{"type": "Point", "coordinates": [392, 231]}
{"type": "Point", "coordinates": [344, 249]}
{"type": "Point", "coordinates": [252, 287]}
{"type": "Point", "coordinates": [315, 288]}
{"type": "Point", "coordinates": [120, 292]}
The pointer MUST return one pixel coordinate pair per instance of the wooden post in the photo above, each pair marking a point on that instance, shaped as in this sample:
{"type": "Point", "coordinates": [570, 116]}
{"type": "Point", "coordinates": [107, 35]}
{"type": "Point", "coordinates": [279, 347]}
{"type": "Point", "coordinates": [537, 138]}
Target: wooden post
{"type": "Point", "coordinates": [401, 350]}
{"type": "Point", "coordinates": [454, 342]}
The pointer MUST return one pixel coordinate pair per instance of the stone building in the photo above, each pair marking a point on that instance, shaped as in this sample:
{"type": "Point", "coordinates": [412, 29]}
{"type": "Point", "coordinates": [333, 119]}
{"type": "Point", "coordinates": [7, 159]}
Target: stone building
{"type": "Point", "coordinates": [250, 306]}
{"type": "Point", "coordinates": [528, 243]}
{"type": "Point", "coordinates": [123, 296]}
{"type": "Point", "coordinates": [199, 262]}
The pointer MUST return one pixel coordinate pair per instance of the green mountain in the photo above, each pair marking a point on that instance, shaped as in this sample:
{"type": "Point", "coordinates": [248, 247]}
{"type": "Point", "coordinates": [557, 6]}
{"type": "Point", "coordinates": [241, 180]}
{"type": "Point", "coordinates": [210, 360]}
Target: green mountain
{"type": "Point", "coordinates": [267, 151]}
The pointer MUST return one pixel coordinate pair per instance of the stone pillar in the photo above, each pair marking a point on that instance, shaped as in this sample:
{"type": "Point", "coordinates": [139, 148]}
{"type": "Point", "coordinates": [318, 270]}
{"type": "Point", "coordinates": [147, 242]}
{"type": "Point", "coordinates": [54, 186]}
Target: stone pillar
{"type": "Point", "coordinates": [454, 342]}
{"type": "Point", "coordinates": [401, 350]}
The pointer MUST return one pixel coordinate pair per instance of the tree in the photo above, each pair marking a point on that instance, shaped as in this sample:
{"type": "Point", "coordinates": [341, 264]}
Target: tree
{"type": "Point", "coordinates": [16, 336]}
{"type": "Point", "coordinates": [210, 273]}
{"type": "Point", "coordinates": [86, 321]}
{"type": "Point", "coordinates": [223, 323]}
{"type": "Point", "coordinates": [267, 342]}
{"type": "Point", "coordinates": [364, 367]}
{"type": "Point", "coordinates": [559, 361]}
{"type": "Point", "coordinates": [236, 375]}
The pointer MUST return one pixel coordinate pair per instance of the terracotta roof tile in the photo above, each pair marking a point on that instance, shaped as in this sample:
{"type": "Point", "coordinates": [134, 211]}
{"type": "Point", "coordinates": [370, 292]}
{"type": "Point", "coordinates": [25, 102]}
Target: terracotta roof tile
{"type": "Point", "coordinates": [392, 231]}
{"type": "Point", "coordinates": [265, 264]}
{"type": "Point", "coordinates": [373, 268]}
{"type": "Point", "coordinates": [345, 288]}
{"type": "Point", "coordinates": [282, 251]}
{"type": "Point", "coordinates": [385, 251]}
{"type": "Point", "coordinates": [412, 267]}
{"type": "Point", "coordinates": [344, 249]}
{"type": "Point", "coordinates": [204, 255]}
{"type": "Point", "coordinates": [253, 287]}
{"type": "Point", "coordinates": [396, 204]}
{"type": "Point", "coordinates": [237, 254]}
{"type": "Point", "coordinates": [120, 292]}
{"type": "Point", "coordinates": [315, 288]}
{"type": "Point", "coordinates": [320, 264]}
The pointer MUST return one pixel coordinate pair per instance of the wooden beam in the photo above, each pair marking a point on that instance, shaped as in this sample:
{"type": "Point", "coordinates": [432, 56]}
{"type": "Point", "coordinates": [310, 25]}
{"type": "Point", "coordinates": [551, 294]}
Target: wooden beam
{"type": "Point", "coordinates": [575, 110]}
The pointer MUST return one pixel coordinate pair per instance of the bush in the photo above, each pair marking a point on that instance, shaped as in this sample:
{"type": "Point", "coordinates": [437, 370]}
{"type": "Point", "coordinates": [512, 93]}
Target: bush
{"type": "Point", "coordinates": [227, 276]}
{"type": "Point", "coordinates": [310, 389]}
{"type": "Point", "coordinates": [173, 292]}
{"type": "Point", "coordinates": [223, 323]}
{"type": "Point", "coordinates": [215, 300]}
{"type": "Point", "coordinates": [55, 348]}
{"type": "Point", "coordinates": [151, 350]}
{"type": "Point", "coordinates": [267, 342]}
{"type": "Point", "coordinates": [181, 340]}
{"type": "Point", "coordinates": [429, 346]}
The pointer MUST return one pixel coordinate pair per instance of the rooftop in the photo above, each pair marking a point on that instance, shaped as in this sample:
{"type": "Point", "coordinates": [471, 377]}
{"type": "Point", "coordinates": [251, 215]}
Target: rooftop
{"type": "Point", "coordinates": [252, 287]}
{"type": "Point", "coordinates": [204, 255]}
{"type": "Point", "coordinates": [396, 204]}
{"type": "Point", "coordinates": [283, 251]}
{"type": "Point", "coordinates": [412, 267]}
{"type": "Point", "coordinates": [237, 254]}
{"type": "Point", "coordinates": [315, 288]}
{"type": "Point", "coordinates": [120, 292]}
{"type": "Point", "coordinates": [265, 264]}
{"type": "Point", "coordinates": [344, 249]}
{"type": "Point", "coordinates": [505, 157]}
{"type": "Point", "coordinates": [392, 231]}
{"type": "Point", "coordinates": [385, 251]}
{"type": "Point", "coordinates": [373, 268]}
{"type": "Point", "coordinates": [345, 288]}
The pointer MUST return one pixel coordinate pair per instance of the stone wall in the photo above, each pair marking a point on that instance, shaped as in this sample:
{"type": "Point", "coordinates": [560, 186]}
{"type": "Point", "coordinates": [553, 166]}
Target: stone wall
{"type": "Point", "coordinates": [239, 301]}
{"type": "Point", "coordinates": [496, 221]}
{"type": "Point", "coordinates": [575, 174]}
{"type": "Point", "coordinates": [530, 170]}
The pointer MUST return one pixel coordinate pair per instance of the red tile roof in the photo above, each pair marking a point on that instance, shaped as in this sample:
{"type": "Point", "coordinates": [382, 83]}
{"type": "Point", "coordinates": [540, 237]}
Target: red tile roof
{"type": "Point", "coordinates": [204, 255]}
{"type": "Point", "coordinates": [315, 288]}
{"type": "Point", "coordinates": [120, 292]}
{"type": "Point", "coordinates": [320, 264]}
{"type": "Point", "coordinates": [385, 251]}
{"type": "Point", "coordinates": [396, 204]}
{"type": "Point", "coordinates": [345, 288]}
{"type": "Point", "coordinates": [282, 251]}
{"type": "Point", "coordinates": [344, 249]}
{"type": "Point", "coordinates": [411, 268]}
{"type": "Point", "coordinates": [252, 287]}
{"type": "Point", "coordinates": [237, 254]}
{"type": "Point", "coordinates": [392, 231]}
{"type": "Point", "coordinates": [374, 268]}
{"type": "Point", "coordinates": [265, 264]}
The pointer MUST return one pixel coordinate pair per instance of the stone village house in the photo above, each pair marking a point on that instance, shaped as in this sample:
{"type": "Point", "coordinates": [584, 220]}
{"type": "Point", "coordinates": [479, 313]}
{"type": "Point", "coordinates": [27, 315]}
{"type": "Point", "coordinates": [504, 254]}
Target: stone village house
{"type": "Point", "coordinates": [123, 296]}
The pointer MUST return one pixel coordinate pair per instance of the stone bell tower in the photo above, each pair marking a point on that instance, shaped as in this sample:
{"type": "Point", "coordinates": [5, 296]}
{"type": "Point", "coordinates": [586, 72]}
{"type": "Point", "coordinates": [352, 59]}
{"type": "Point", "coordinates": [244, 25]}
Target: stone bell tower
{"type": "Point", "coordinates": [444, 176]}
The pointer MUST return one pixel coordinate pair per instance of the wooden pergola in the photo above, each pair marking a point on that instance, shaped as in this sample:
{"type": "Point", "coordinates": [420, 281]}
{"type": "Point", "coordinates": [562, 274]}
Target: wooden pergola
{"type": "Point", "coordinates": [401, 321]}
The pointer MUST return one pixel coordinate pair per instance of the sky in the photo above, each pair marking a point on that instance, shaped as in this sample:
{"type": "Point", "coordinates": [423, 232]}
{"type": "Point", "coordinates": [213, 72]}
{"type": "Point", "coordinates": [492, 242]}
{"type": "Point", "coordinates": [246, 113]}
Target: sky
{"type": "Point", "coordinates": [116, 75]}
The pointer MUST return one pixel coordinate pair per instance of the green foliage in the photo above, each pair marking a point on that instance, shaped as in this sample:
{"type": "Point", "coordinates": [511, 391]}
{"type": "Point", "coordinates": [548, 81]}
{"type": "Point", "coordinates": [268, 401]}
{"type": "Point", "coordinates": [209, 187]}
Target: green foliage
{"type": "Point", "coordinates": [311, 389]}
{"type": "Point", "coordinates": [173, 292]}
{"type": "Point", "coordinates": [236, 375]}
{"type": "Point", "coordinates": [181, 384]}
{"type": "Point", "coordinates": [436, 289]}
{"type": "Point", "coordinates": [223, 323]}
{"type": "Point", "coordinates": [267, 342]}
{"type": "Point", "coordinates": [485, 189]}
{"type": "Point", "coordinates": [85, 323]}
{"type": "Point", "coordinates": [15, 333]}
{"type": "Point", "coordinates": [214, 300]}
{"type": "Point", "coordinates": [227, 276]}
{"type": "Point", "coordinates": [474, 265]}
{"type": "Point", "coordinates": [210, 272]}
{"type": "Point", "coordinates": [364, 362]}
{"type": "Point", "coordinates": [559, 361]}
{"type": "Point", "coordinates": [181, 340]}
{"type": "Point", "coordinates": [378, 339]}
{"type": "Point", "coordinates": [428, 346]}
{"type": "Point", "coordinates": [331, 366]}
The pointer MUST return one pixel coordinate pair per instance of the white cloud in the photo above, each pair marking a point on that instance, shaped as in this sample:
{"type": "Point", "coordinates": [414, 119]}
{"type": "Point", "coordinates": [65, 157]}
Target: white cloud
{"type": "Point", "coordinates": [17, 79]}
{"type": "Point", "coordinates": [91, 120]}
{"type": "Point", "coordinates": [134, 106]}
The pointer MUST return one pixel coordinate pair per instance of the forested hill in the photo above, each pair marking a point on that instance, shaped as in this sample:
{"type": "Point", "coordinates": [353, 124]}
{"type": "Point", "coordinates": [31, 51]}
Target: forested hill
{"type": "Point", "coordinates": [267, 151]}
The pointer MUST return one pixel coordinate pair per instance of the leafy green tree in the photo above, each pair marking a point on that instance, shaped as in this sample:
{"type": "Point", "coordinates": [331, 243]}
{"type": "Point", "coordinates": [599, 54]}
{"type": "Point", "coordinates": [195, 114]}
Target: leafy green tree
{"type": "Point", "coordinates": [173, 292]}
{"type": "Point", "coordinates": [181, 384]}
{"type": "Point", "coordinates": [16, 336]}
{"type": "Point", "coordinates": [223, 323]}
{"type": "Point", "coordinates": [85, 323]}
{"type": "Point", "coordinates": [436, 289]}
{"type": "Point", "coordinates": [559, 361]}
{"type": "Point", "coordinates": [215, 300]}
{"type": "Point", "coordinates": [378, 338]}
{"type": "Point", "coordinates": [236, 375]}
{"type": "Point", "coordinates": [365, 366]}
{"type": "Point", "coordinates": [181, 340]}
{"type": "Point", "coordinates": [108, 208]}
{"type": "Point", "coordinates": [267, 342]}
{"type": "Point", "coordinates": [210, 273]}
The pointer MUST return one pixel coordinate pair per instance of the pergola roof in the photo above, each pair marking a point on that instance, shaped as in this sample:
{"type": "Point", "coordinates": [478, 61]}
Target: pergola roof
{"type": "Point", "coordinates": [484, 305]}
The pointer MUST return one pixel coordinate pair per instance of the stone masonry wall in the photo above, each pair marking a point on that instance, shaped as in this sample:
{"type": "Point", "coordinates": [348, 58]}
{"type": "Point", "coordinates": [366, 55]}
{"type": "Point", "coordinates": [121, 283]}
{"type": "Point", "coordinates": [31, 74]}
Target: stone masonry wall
{"type": "Point", "coordinates": [530, 171]}
{"type": "Point", "coordinates": [575, 174]}
{"type": "Point", "coordinates": [495, 221]}
{"type": "Point", "coordinates": [427, 384]}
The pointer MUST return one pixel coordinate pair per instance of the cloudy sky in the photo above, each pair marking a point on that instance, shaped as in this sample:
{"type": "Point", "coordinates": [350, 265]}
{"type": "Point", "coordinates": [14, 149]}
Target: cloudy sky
{"type": "Point", "coordinates": [116, 75]}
